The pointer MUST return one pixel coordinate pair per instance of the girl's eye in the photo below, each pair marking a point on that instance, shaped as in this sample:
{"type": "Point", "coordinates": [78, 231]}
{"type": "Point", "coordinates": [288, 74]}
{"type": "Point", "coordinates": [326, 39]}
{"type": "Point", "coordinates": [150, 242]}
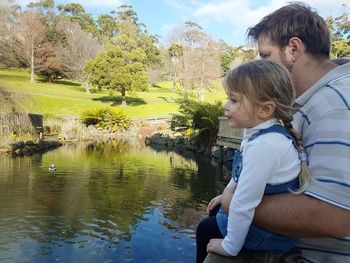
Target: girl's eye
{"type": "Point", "coordinates": [234, 100]}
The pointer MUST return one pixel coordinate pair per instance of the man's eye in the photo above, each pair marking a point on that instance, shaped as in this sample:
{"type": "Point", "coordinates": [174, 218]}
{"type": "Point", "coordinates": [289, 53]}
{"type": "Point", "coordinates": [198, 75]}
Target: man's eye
{"type": "Point", "coordinates": [264, 56]}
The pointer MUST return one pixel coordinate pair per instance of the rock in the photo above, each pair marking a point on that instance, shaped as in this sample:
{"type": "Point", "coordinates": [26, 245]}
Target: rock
{"type": "Point", "coordinates": [17, 145]}
{"type": "Point", "coordinates": [30, 147]}
{"type": "Point", "coordinates": [30, 143]}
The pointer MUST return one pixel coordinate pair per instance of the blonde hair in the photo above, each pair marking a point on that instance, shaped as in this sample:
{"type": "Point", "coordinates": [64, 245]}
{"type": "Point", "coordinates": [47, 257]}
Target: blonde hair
{"type": "Point", "coordinates": [262, 81]}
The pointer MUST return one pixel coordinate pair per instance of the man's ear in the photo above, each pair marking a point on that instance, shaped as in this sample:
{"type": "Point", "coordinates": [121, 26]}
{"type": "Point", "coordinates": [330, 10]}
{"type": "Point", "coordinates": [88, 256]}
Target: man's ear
{"type": "Point", "coordinates": [266, 110]}
{"type": "Point", "coordinates": [296, 48]}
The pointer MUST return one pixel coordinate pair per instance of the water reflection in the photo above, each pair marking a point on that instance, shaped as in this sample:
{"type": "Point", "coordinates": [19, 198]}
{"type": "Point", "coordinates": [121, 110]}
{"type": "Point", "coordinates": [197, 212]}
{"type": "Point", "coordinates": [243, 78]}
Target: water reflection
{"type": "Point", "coordinates": [107, 202]}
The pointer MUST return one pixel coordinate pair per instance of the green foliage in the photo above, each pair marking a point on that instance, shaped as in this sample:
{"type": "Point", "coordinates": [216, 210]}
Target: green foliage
{"type": "Point", "coordinates": [106, 118]}
{"type": "Point", "coordinates": [201, 118]}
{"type": "Point", "coordinates": [176, 50]}
{"type": "Point", "coordinates": [119, 70]}
{"type": "Point", "coordinates": [340, 48]}
{"type": "Point", "coordinates": [339, 28]}
{"type": "Point", "coordinates": [75, 13]}
{"type": "Point", "coordinates": [228, 54]}
{"type": "Point", "coordinates": [127, 23]}
{"type": "Point", "coordinates": [107, 26]}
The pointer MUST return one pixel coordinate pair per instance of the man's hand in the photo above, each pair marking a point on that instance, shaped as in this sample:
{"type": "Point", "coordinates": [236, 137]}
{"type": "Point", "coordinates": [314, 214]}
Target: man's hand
{"type": "Point", "coordinates": [214, 245]}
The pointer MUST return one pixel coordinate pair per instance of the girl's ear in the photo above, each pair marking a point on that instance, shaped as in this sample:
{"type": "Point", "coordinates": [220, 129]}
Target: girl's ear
{"type": "Point", "coordinates": [266, 110]}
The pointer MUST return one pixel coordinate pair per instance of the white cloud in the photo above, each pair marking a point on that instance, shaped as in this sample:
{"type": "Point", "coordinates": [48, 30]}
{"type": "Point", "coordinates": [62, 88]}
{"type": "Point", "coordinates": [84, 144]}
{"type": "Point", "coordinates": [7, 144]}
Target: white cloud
{"type": "Point", "coordinates": [240, 14]}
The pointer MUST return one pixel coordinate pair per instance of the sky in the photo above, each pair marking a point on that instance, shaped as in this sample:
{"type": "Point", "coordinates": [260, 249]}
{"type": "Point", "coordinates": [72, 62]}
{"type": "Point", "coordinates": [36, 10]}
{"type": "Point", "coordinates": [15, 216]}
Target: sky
{"type": "Point", "coordinates": [222, 19]}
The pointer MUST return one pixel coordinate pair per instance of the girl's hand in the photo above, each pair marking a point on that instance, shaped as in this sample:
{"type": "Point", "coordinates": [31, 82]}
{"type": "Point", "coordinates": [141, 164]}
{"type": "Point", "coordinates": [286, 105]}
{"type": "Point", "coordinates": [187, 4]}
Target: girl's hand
{"type": "Point", "coordinates": [214, 245]}
{"type": "Point", "coordinates": [213, 203]}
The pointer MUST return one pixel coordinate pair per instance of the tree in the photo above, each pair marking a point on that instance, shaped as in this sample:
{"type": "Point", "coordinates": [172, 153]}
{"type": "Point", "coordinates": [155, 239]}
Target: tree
{"type": "Point", "coordinates": [107, 26]}
{"type": "Point", "coordinates": [77, 48]}
{"type": "Point", "coordinates": [29, 41]}
{"type": "Point", "coordinates": [193, 34]}
{"type": "Point", "coordinates": [232, 56]}
{"type": "Point", "coordinates": [176, 52]}
{"type": "Point", "coordinates": [340, 38]}
{"type": "Point", "coordinates": [49, 62]}
{"type": "Point", "coordinates": [200, 61]}
{"type": "Point", "coordinates": [46, 9]}
{"type": "Point", "coordinates": [48, 65]}
{"type": "Point", "coordinates": [127, 24]}
{"type": "Point", "coordinates": [228, 54]}
{"type": "Point", "coordinates": [119, 70]}
{"type": "Point", "coordinates": [8, 13]}
{"type": "Point", "coordinates": [75, 13]}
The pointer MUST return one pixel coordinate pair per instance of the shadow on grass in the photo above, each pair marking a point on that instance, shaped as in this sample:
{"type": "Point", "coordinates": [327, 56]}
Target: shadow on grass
{"type": "Point", "coordinates": [67, 82]}
{"type": "Point", "coordinates": [165, 99]}
{"type": "Point", "coordinates": [117, 100]}
{"type": "Point", "coordinates": [59, 81]}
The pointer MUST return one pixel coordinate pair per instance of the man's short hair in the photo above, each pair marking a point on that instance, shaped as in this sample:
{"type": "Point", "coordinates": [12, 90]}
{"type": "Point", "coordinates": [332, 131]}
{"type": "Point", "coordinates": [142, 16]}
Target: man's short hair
{"type": "Point", "coordinates": [294, 20]}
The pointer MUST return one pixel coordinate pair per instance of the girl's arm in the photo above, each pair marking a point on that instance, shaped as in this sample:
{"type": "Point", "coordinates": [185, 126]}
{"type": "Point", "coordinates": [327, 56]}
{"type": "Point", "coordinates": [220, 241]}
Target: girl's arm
{"type": "Point", "coordinates": [260, 161]}
{"type": "Point", "coordinates": [228, 191]}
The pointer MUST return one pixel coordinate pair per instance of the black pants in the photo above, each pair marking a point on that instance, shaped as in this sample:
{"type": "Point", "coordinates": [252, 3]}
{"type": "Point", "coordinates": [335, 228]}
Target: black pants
{"type": "Point", "coordinates": [206, 230]}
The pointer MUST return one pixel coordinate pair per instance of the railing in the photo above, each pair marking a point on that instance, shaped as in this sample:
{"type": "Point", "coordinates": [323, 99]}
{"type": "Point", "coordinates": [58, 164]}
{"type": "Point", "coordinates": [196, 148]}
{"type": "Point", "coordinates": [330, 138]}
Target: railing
{"type": "Point", "coordinates": [228, 136]}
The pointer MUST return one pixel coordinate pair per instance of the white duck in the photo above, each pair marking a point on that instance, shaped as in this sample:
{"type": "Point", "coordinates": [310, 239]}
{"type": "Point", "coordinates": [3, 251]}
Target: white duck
{"type": "Point", "coordinates": [52, 168]}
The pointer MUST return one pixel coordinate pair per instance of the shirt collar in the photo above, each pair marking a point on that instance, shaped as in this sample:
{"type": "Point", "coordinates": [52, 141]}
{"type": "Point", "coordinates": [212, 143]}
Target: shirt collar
{"type": "Point", "coordinates": [264, 125]}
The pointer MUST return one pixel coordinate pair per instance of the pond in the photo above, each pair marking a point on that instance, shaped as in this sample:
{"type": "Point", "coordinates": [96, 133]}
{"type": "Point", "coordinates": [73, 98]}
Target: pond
{"type": "Point", "coordinates": [114, 201]}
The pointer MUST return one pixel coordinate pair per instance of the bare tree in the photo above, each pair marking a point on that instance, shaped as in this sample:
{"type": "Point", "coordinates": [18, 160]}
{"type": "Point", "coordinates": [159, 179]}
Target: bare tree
{"type": "Point", "coordinates": [29, 38]}
{"type": "Point", "coordinates": [200, 59]}
{"type": "Point", "coordinates": [8, 12]}
{"type": "Point", "coordinates": [176, 52]}
{"type": "Point", "coordinates": [79, 47]}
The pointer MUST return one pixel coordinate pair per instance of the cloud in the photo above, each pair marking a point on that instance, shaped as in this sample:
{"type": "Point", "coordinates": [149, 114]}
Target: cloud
{"type": "Point", "coordinates": [240, 14]}
{"type": "Point", "coordinates": [248, 11]}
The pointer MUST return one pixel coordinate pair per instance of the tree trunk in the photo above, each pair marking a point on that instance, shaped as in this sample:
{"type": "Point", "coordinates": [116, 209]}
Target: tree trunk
{"type": "Point", "coordinates": [87, 87]}
{"type": "Point", "coordinates": [32, 64]}
{"type": "Point", "coordinates": [123, 97]}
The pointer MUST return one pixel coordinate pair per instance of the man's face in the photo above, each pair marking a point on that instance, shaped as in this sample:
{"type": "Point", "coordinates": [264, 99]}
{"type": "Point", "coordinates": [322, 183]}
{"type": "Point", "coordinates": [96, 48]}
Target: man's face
{"type": "Point", "coordinates": [269, 50]}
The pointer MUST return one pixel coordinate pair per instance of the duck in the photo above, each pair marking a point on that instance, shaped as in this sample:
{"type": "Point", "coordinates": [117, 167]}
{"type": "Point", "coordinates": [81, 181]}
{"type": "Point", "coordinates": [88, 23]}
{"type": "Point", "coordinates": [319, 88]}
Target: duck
{"type": "Point", "coordinates": [52, 168]}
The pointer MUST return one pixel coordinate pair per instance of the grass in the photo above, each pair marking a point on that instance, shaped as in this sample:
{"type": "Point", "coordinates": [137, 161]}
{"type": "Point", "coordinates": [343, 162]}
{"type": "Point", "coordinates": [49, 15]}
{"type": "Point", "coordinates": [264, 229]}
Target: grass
{"type": "Point", "coordinates": [69, 98]}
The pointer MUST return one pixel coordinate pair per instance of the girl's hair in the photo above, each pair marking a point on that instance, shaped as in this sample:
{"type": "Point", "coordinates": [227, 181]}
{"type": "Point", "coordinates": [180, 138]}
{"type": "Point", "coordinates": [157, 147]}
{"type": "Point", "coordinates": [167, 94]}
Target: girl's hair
{"type": "Point", "coordinates": [262, 81]}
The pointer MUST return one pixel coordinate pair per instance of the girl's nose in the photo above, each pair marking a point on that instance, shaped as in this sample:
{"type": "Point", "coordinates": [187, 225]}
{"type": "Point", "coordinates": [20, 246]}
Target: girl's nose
{"type": "Point", "coordinates": [226, 106]}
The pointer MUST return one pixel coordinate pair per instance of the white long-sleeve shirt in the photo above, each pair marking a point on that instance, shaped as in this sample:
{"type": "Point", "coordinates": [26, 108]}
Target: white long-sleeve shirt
{"type": "Point", "coordinates": [271, 158]}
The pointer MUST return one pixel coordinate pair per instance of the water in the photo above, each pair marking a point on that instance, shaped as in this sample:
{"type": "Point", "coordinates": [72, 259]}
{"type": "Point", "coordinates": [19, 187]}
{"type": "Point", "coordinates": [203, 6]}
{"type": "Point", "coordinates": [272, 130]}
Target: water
{"type": "Point", "coordinates": [107, 202]}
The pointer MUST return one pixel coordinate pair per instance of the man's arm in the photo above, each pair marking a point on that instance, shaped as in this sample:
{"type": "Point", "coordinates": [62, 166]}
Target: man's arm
{"type": "Point", "coordinates": [299, 216]}
{"type": "Point", "coordinates": [302, 216]}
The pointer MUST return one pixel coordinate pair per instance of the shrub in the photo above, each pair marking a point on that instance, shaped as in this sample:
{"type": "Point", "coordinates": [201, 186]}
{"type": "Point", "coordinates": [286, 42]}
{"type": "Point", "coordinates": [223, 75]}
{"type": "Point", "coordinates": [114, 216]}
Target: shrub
{"type": "Point", "coordinates": [201, 118]}
{"type": "Point", "coordinates": [106, 118]}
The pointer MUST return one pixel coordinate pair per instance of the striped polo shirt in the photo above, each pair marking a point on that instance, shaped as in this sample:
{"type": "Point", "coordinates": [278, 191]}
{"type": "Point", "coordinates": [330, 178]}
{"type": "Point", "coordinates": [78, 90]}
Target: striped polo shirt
{"type": "Point", "coordinates": [323, 120]}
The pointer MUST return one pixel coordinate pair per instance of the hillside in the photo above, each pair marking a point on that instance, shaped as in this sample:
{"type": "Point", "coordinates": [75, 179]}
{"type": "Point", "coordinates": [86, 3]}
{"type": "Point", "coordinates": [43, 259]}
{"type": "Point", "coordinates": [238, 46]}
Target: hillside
{"type": "Point", "coordinates": [69, 98]}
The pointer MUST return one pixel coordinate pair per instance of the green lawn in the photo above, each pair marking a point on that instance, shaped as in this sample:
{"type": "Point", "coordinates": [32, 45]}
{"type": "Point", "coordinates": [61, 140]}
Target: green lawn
{"type": "Point", "coordinates": [69, 98]}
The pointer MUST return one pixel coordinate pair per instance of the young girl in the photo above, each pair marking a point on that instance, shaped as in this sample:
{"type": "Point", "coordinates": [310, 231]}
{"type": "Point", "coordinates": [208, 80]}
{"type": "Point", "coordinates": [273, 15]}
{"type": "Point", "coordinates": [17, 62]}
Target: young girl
{"type": "Point", "coordinates": [271, 160]}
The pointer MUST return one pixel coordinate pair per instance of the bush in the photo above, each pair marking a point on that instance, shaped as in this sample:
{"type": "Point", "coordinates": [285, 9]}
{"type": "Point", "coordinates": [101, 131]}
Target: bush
{"type": "Point", "coordinates": [106, 118]}
{"type": "Point", "coordinates": [201, 118]}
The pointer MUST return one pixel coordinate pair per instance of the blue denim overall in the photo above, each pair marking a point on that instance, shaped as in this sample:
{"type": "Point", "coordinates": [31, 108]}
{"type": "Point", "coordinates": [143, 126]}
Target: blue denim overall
{"type": "Point", "coordinates": [257, 238]}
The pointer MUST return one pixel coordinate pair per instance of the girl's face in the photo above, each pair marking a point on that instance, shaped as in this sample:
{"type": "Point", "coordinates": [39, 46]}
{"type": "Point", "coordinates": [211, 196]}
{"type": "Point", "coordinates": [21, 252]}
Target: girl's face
{"type": "Point", "coordinates": [241, 112]}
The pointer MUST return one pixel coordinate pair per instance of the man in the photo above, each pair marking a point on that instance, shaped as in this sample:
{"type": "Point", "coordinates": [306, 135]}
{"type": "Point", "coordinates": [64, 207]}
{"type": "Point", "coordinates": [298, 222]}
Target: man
{"type": "Point", "coordinates": [298, 37]}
